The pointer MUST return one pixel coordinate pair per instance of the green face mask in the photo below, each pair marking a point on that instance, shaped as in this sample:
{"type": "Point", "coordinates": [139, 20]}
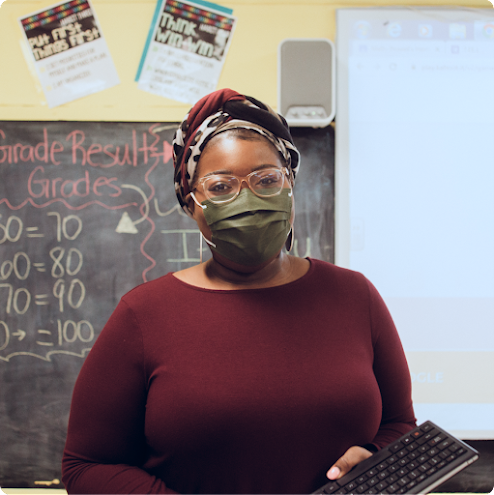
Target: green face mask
{"type": "Point", "coordinates": [250, 229]}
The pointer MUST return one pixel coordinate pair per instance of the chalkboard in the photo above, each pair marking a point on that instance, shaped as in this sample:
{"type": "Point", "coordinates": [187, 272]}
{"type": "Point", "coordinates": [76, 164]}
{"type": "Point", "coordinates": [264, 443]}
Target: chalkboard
{"type": "Point", "coordinates": [87, 212]}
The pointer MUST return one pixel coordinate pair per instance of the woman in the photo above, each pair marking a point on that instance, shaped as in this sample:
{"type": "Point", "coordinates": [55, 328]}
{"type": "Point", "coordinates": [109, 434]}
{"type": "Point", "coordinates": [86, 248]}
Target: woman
{"type": "Point", "coordinates": [255, 372]}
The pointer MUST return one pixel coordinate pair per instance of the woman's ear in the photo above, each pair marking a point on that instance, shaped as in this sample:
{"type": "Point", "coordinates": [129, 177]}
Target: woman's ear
{"type": "Point", "coordinates": [190, 203]}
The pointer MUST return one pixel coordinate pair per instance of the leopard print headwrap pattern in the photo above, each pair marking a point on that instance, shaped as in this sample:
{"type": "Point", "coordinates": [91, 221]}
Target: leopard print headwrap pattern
{"type": "Point", "coordinates": [218, 112]}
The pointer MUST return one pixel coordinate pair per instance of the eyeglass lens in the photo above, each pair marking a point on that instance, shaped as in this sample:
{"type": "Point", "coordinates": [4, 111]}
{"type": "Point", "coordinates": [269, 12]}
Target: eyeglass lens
{"type": "Point", "coordinates": [221, 188]}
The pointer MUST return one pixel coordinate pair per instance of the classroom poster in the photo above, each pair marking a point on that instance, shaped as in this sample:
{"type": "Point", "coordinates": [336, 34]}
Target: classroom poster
{"type": "Point", "coordinates": [70, 55]}
{"type": "Point", "coordinates": [185, 50]}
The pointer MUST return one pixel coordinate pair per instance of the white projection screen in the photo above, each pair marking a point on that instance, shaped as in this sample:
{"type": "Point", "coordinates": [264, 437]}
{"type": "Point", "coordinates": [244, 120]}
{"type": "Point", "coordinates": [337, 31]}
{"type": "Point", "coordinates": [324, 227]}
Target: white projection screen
{"type": "Point", "coordinates": [415, 194]}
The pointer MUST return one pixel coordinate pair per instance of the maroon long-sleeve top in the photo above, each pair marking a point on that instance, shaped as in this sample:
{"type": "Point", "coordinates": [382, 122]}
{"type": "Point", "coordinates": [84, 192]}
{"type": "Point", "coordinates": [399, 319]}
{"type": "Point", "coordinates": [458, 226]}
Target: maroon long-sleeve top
{"type": "Point", "coordinates": [245, 391]}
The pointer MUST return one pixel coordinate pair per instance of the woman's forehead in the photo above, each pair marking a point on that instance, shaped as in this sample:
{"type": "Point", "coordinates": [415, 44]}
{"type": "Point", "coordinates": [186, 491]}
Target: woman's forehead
{"type": "Point", "coordinates": [229, 154]}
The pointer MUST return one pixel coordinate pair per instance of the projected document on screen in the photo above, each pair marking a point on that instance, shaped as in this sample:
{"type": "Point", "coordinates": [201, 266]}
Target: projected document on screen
{"type": "Point", "coordinates": [415, 193]}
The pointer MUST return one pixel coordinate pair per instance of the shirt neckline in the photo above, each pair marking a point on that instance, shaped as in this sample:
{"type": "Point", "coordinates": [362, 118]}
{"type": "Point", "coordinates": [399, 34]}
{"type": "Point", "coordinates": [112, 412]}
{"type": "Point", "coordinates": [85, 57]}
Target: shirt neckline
{"type": "Point", "coordinates": [258, 289]}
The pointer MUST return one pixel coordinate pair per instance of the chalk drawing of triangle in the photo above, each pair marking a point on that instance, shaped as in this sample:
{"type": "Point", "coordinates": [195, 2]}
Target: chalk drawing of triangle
{"type": "Point", "coordinates": [126, 226]}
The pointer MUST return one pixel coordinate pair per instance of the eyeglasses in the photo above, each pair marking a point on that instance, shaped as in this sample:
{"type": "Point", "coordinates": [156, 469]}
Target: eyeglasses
{"type": "Point", "coordinates": [264, 183]}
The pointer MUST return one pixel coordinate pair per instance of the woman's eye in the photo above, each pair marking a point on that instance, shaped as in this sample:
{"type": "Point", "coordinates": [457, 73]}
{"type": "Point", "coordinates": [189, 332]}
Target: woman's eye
{"type": "Point", "coordinates": [268, 180]}
{"type": "Point", "coordinates": [219, 187]}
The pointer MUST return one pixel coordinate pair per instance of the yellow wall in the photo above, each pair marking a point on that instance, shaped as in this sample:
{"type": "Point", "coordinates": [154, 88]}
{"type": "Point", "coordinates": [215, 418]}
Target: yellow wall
{"type": "Point", "coordinates": [250, 67]}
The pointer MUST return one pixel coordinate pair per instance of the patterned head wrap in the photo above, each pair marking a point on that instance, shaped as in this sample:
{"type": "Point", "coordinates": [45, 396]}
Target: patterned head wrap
{"type": "Point", "coordinates": [218, 112]}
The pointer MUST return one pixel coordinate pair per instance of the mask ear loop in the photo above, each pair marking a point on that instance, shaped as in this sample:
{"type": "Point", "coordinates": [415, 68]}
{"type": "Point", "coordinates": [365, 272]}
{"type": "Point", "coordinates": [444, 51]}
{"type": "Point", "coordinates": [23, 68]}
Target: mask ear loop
{"type": "Point", "coordinates": [197, 202]}
{"type": "Point", "coordinates": [289, 240]}
{"type": "Point", "coordinates": [200, 248]}
{"type": "Point", "coordinates": [291, 237]}
{"type": "Point", "coordinates": [202, 237]}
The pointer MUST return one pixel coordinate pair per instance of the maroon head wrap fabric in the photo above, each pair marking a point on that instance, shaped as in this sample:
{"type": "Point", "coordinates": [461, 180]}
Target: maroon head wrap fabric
{"type": "Point", "coordinates": [218, 112]}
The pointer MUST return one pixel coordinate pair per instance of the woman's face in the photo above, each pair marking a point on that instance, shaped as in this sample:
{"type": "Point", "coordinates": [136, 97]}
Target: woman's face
{"type": "Point", "coordinates": [228, 154]}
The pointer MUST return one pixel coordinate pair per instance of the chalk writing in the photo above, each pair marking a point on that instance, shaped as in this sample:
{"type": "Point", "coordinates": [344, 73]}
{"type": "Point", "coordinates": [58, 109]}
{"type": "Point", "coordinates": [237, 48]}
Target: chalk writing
{"type": "Point", "coordinates": [183, 233]}
{"type": "Point", "coordinates": [69, 198]}
{"type": "Point", "coordinates": [96, 154]}
{"type": "Point", "coordinates": [12, 222]}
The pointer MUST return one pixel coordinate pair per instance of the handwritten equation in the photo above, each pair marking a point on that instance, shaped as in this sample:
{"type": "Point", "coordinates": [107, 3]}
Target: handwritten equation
{"type": "Point", "coordinates": [85, 216]}
{"type": "Point", "coordinates": [63, 266]}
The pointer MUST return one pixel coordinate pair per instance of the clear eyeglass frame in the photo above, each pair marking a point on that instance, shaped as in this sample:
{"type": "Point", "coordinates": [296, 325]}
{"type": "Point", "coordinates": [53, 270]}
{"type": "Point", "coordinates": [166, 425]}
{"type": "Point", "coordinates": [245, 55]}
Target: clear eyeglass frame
{"type": "Point", "coordinates": [262, 190]}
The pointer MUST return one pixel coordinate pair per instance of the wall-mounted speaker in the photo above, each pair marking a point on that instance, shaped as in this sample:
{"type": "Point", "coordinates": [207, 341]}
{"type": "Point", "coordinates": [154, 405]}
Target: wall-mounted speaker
{"type": "Point", "coordinates": [306, 81]}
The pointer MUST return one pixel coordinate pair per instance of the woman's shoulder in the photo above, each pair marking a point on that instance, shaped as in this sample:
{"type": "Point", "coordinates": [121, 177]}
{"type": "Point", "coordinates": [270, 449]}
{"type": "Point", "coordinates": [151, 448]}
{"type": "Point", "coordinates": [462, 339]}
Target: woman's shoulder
{"type": "Point", "coordinates": [151, 290]}
{"type": "Point", "coordinates": [327, 269]}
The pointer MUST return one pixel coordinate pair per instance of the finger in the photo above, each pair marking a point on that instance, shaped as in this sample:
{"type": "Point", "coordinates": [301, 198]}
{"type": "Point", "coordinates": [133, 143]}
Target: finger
{"type": "Point", "coordinates": [347, 461]}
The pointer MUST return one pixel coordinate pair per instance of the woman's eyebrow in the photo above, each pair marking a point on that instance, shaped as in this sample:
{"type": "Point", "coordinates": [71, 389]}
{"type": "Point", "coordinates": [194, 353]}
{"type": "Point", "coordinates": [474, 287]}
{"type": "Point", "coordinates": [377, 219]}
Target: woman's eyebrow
{"type": "Point", "coordinates": [230, 172]}
{"type": "Point", "coordinates": [219, 172]}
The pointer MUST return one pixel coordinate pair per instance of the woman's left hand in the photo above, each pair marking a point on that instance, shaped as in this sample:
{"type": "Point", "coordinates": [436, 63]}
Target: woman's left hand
{"type": "Point", "coordinates": [350, 458]}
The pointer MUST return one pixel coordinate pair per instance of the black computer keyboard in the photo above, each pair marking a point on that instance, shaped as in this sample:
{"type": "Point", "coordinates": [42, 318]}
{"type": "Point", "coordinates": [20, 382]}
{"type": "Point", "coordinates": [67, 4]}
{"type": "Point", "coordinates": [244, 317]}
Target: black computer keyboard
{"type": "Point", "coordinates": [415, 463]}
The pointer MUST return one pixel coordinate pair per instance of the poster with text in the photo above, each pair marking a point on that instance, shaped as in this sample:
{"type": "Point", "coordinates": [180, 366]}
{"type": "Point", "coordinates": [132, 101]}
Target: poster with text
{"type": "Point", "coordinates": [69, 52]}
{"type": "Point", "coordinates": [185, 50]}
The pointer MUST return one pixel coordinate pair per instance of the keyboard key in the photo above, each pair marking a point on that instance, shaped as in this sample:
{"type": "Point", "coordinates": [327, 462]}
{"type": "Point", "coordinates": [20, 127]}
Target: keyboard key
{"type": "Point", "coordinates": [382, 466]}
{"type": "Point", "coordinates": [331, 487]}
{"type": "Point", "coordinates": [422, 477]}
{"type": "Point", "coordinates": [381, 486]}
{"type": "Point", "coordinates": [396, 446]}
{"type": "Point", "coordinates": [392, 488]}
{"type": "Point", "coordinates": [407, 440]}
{"type": "Point", "coordinates": [363, 488]}
{"type": "Point", "coordinates": [351, 486]}
{"type": "Point", "coordinates": [373, 481]}
{"type": "Point", "coordinates": [432, 452]}
{"type": "Point", "coordinates": [427, 436]}
{"type": "Point", "coordinates": [426, 427]}
{"type": "Point", "coordinates": [372, 472]}
{"type": "Point", "coordinates": [437, 439]}
{"type": "Point", "coordinates": [413, 446]}
{"type": "Point", "coordinates": [404, 481]}
{"type": "Point", "coordinates": [392, 459]}
{"type": "Point", "coordinates": [361, 479]}
{"type": "Point", "coordinates": [392, 478]}
{"type": "Point", "coordinates": [401, 453]}
{"type": "Point", "coordinates": [444, 444]}
{"type": "Point", "coordinates": [401, 472]}
{"type": "Point", "coordinates": [416, 434]}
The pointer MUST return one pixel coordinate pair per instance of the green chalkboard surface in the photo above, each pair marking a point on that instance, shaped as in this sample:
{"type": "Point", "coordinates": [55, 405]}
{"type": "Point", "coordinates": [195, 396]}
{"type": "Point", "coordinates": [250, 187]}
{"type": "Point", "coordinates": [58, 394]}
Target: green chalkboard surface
{"type": "Point", "coordinates": [87, 212]}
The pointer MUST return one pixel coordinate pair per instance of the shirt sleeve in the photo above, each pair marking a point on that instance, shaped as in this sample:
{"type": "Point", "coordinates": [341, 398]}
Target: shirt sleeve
{"type": "Point", "coordinates": [105, 441]}
{"type": "Point", "coordinates": [392, 374]}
